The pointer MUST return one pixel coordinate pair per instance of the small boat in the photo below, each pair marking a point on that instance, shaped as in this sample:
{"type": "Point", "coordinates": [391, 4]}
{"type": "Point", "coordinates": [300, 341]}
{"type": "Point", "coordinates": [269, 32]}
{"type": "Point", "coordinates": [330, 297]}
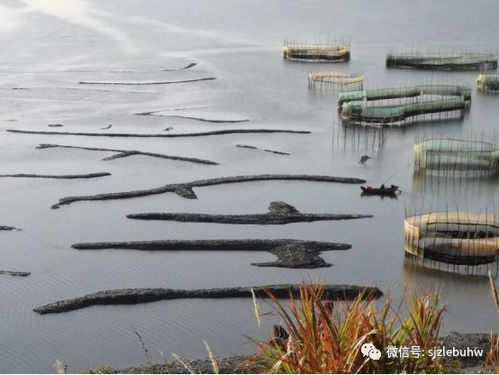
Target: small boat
{"type": "Point", "coordinates": [382, 190]}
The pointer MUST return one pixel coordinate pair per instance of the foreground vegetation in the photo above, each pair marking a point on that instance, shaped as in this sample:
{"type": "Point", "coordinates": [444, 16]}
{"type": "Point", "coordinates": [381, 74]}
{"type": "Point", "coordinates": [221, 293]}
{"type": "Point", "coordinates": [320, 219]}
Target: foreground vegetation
{"type": "Point", "coordinates": [321, 336]}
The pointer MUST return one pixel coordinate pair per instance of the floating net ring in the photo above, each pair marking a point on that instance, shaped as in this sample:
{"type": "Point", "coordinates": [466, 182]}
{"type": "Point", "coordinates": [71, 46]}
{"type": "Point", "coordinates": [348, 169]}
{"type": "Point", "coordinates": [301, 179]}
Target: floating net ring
{"type": "Point", "coordinates": [316, 52]}
{"type": "Point", "coordinates": [335, 80]}
{"type": "Point", "coordinates": [488, 83]}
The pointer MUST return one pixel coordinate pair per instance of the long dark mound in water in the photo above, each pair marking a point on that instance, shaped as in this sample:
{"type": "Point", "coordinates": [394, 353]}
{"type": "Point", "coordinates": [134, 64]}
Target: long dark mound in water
{"type": "Point", "coordinates": [279, 213]}
{"type": "Point", "coordinates": [126, 153]}
{"type": "Point", "coordinates": [144, 295]}
{"type": "Point", "coordinates": [188, 66]}
{"type": "Point", "coordinates": [258, 219]}
{"type": "Point", "coordinates": [290, 253]}
{"type": "Point", "coordinates": [15, 273]}
{"type": "Point", "coordinates": [196, 118]}
{"type": "Point", "coordinates": [162, 135]}
{"type": "Point", "coordinates": [6, 227]}
{"type": "Point", "coordinates": [185, 189]}
{"type": "Point", "coordinates": [263, 149]}
{"type": "Point", "coordinates": [145, 83]}
{"type": "Point", "coordinates": [57, 176]}
{"type": "Point", "coordinates": [213, 245]}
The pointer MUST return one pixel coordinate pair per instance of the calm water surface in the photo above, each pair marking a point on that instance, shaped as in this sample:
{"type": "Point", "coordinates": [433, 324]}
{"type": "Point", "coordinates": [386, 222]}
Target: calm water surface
{"type": "Point", "coordinates": [50, 46]}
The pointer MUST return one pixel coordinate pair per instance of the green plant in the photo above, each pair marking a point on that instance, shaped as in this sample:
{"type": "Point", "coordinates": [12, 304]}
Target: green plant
{"type": "Point", "coordinates": [100, 370]}
{"type": "Point", "coordinates": [323, 337]}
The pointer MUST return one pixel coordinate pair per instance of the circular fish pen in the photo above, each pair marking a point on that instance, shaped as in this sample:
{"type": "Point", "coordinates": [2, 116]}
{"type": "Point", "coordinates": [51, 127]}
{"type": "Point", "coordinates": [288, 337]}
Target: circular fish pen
{"type": "Point", "coordinates": [456, 157]}
{"type": "Point", "coordinates": [450, 61]}
{"type": "Point", "coordinates": [335, 81]}
{"type": "Point", "coordinates": [488, 83]}
{"type": "Point", "coordinates": [461, 242]}
{"type": "Point", "coordinates": [316, 52]}
{"type": "Point", "coordinates": [403, 105]}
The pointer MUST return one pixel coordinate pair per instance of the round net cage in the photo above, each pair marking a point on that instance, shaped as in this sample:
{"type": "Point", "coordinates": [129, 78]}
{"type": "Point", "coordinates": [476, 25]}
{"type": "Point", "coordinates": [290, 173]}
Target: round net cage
{"type": "Point", "coordinates": [453, 61]}
{"type": "Point", "coordinates": [335, 81]}
{"type": "Point", "coordinates": [401, 106]}
{"type": "Point", "coordinates": [488, 83]}
{"type": "Point", "coordinates": [459, 240]}
{"type": "Point", "coordinates": [456, 156]}
{"type": "Point", "coordinates": [316, 52]}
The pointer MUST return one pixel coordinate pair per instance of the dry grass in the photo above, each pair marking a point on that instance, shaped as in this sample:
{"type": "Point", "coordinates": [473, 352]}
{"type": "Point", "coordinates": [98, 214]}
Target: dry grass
{"type": "Point", "coordinates": [492, 359]}
{"type": "Point", "coordinates": [493, 288]}
{"type": "Point", "coordinates": [59, 367]}
{"type": "Point", "coordinates": [322, 337]}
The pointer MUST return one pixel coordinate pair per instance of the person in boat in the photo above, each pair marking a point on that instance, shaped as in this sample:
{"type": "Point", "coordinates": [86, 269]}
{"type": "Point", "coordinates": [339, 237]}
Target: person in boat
{"type": "Point", "coordinates": [382, 190]}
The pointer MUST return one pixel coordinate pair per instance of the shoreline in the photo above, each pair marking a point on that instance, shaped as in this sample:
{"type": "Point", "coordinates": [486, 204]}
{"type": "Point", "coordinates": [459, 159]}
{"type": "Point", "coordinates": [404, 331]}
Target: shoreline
{"type": "Point", "coordinates": [239, 364]}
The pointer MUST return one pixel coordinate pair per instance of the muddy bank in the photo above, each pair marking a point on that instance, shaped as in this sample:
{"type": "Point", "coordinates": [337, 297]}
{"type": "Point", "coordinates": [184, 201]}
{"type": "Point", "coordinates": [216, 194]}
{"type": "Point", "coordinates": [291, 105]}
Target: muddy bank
{"type": "Point", "coordinates": [237, 364]}
{"type": "Point", "coordinates": [156, 135]}
{"type": "Point", "coordinates": [467, 340]}
{"type": "Point", "coordinates": [145, 83]}
{"type": "Point", "coordinates": [144, 295]}
{"type": "Point", "coordinates": [254, 364]}
{"type": "Point", "coordinates": [279, 213]}
{"type": "Point", "coordinates": [15, 273]}
{"type": "Point", "coordinates": [262, 149]}
{"type": "Point", "coordinates": [185, 189]}
{"type": "Point", "coordinates": [126, 153]}
{"type": "Point", "coordinates": [57, 176]}
{"type": "Point", "coordinates": [290, 253]}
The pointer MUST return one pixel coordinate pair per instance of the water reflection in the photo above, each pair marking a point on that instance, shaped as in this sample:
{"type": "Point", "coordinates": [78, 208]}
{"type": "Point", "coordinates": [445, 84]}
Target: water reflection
{"type": "Point", "coordinates": [81, 13]}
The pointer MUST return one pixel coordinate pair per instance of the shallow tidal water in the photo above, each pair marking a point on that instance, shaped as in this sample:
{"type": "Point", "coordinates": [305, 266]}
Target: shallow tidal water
{"type": "Point", "coordinates": [48, 47]}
